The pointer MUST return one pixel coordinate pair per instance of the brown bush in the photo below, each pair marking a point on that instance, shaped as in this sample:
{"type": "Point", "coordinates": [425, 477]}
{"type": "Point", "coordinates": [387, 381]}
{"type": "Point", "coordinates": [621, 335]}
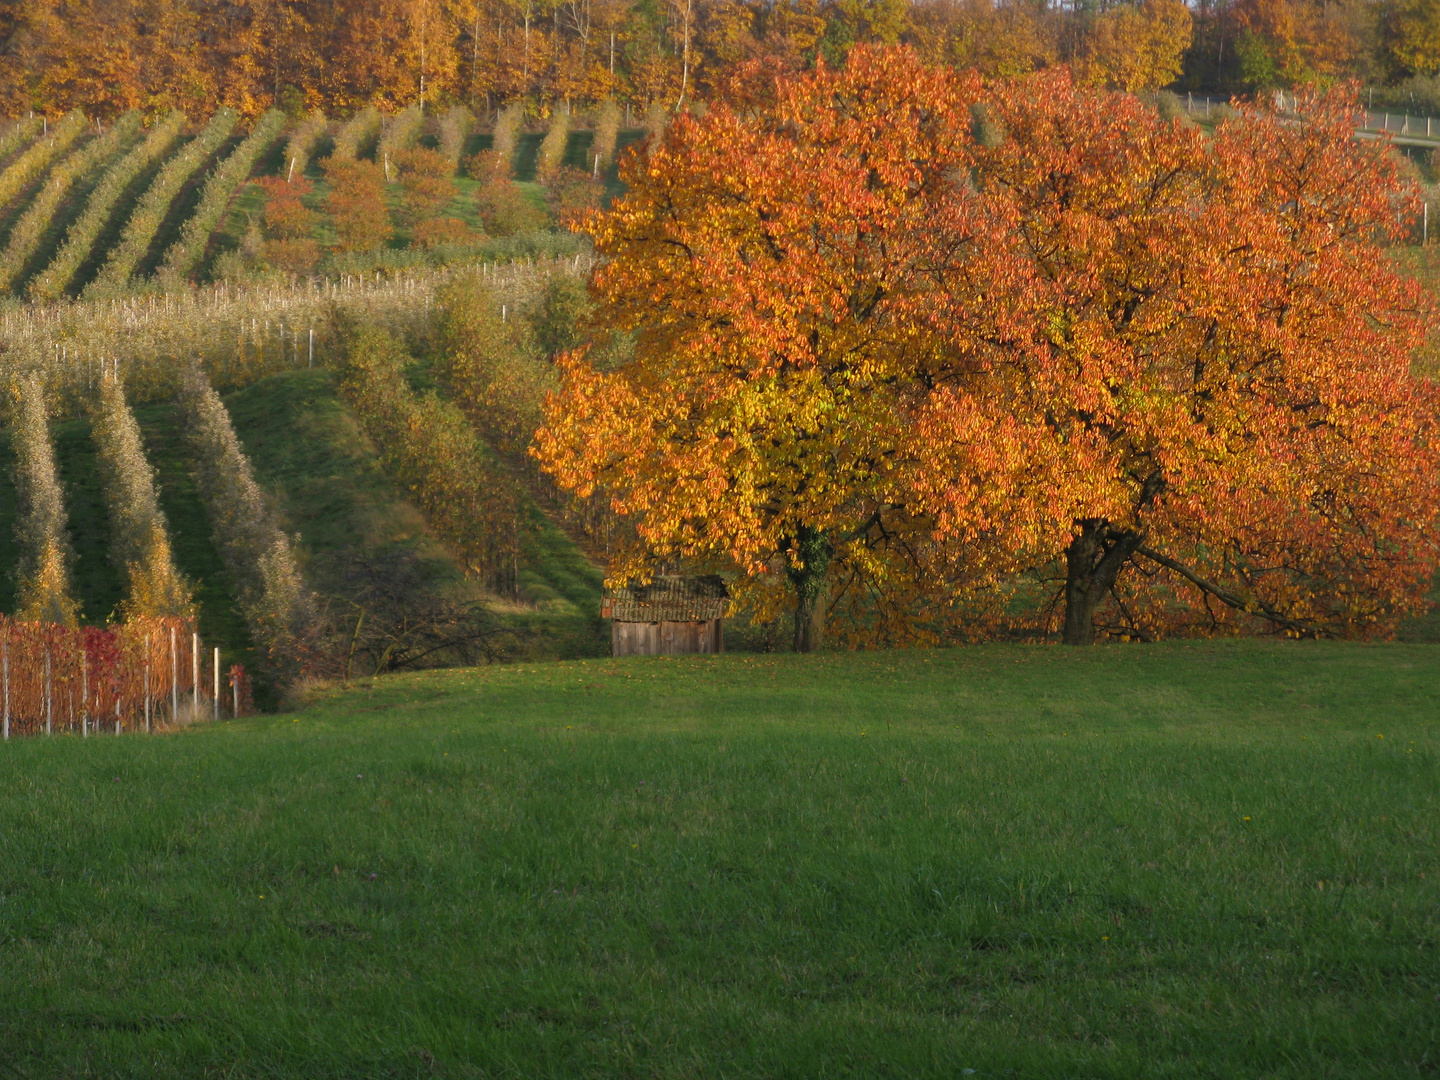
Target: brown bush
{"type": "Point", "coordinates": [506, 209]}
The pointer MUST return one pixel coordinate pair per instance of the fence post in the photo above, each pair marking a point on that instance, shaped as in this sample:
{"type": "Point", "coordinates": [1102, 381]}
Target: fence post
{"type": "Point", "coordinates": [47, 693]}
{"type": "Point", "coordinates": [195, 671]}
{"type": "Point", "coordinates": [147, 684]}
{"type": "Point", "coordinates": [84, 694]}
{"type": "Point", "coordinates": [174, 679]}
{"type": "Point", "coordinates": [6, 648]}
{"type": "Point", "coordinates": [234, 696]}
{"type": "Point", "coordinates": [217, 682]}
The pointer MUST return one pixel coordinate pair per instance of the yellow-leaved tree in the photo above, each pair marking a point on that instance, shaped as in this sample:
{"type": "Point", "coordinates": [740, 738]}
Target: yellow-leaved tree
{"type": "Point", "coordinates": [1137, 47]}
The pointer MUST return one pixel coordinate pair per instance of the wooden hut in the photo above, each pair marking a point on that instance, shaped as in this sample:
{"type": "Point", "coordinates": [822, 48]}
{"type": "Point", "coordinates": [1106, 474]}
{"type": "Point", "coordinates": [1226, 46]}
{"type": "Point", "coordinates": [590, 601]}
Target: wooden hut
{"type": "Point", "coordinates": [671, 616]}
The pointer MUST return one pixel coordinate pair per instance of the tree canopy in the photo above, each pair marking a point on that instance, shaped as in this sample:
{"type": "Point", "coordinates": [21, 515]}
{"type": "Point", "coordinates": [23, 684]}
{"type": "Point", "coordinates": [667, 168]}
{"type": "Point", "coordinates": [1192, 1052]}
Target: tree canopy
{"type": "Point", "coordinates": [1108, 373]}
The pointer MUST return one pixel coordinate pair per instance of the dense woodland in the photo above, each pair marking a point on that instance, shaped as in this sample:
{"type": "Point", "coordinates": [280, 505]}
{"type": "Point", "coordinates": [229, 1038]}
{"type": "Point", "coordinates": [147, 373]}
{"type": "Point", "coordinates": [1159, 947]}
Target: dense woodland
{"type": "Point", "coordinates": [108, 56]}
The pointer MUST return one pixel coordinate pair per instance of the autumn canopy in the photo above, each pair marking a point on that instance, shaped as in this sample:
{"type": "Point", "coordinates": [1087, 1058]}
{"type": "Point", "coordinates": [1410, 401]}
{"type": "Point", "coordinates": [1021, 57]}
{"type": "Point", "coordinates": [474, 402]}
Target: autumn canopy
{"type": "Point", "coordinates": [1109, 374]}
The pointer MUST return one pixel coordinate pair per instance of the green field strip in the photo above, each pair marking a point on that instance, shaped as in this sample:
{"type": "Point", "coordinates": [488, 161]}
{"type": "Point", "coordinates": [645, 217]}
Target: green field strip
{"type": "Point", "coordinates": [577, 151]}
{"type": "Point", "coordinates": [220, 621]}
{"type": "Point", "coordinates": [99, 584]}
{"type": "Point", "coordinates": [1209, 860]}
{"type": "Point", "coordinates": [527, 154]}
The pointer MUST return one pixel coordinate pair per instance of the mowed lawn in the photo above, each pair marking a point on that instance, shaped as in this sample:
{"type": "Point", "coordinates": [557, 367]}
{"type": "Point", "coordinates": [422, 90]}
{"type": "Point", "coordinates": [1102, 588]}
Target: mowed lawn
{"type": "Point", "coordinates": [1203, 860]}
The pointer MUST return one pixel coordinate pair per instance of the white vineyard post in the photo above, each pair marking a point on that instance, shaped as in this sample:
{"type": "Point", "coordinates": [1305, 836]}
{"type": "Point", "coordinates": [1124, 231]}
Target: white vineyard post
{"type": "Point", "coordinates": [174, 679]}
{"type": "Point", "coordinates": [217, 682]}
{"type": "Point", "coordinates": [47, 693]}
{"type": "Point", "coordinates": [195, 672]}
{"type": "Point", "coordinates": [1425, 227]}
{"type": "Point", "coordinates": [84, 696]}
{"type": "Point", "coordinates": [234, 696]}
{"type": "Point", "coordinates": [147, 684]}
{"type": "Point", "coordinates": [6, 662]}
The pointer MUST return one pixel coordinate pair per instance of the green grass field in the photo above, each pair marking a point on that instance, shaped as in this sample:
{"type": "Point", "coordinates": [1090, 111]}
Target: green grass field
{"type": "Point", "coordinates": [1204, 860]}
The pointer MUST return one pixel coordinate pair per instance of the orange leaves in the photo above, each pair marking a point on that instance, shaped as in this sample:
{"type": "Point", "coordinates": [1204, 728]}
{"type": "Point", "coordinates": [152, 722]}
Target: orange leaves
{"type": "Point", "coordinates": [853, 319]}
{"type": "Point", "coordinates": [357, 203]}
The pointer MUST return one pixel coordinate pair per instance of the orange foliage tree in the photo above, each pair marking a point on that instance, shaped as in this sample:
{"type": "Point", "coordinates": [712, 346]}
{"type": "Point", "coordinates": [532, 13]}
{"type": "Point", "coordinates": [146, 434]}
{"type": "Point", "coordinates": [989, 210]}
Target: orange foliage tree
{"type": "Point", "coordinates": [779, 267]}
{"type": "Point", "coordinates": [1220, 348]}
{"type": "Point", "coordinates": [357, 204]}
{"type": "Point", "coordinates": [879, 361]}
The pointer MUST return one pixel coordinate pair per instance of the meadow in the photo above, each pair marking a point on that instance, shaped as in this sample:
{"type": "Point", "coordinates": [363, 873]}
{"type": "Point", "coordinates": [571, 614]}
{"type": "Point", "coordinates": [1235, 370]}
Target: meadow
{"type": "Point", "coordinates": [1211, 859]}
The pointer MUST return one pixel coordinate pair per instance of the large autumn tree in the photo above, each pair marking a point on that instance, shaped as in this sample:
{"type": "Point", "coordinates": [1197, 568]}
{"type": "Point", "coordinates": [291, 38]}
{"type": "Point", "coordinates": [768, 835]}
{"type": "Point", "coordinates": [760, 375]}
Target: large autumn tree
{"type": "Point", "coordinates": [776, 264]}
{"type": "Point", "coordinates": [877, 359]}
{"type": "Point", "coordinates": [1221, 349]}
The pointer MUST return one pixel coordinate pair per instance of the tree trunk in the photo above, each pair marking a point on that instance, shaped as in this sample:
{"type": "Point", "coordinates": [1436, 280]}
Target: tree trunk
{"type": "Point", "coordinates": [812, 547]}
{"type": "Point", "coordinates": [1092, 562]}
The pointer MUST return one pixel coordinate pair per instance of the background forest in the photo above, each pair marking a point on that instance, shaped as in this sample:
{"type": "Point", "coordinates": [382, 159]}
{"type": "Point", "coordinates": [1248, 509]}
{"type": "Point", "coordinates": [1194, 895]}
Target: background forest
{"type": "Point", "coordinates": [107, 56]}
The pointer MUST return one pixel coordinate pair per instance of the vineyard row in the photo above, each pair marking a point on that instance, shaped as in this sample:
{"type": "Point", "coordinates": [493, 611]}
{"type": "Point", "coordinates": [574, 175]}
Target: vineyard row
{"type": "Point", "coordinates": [120, 193]}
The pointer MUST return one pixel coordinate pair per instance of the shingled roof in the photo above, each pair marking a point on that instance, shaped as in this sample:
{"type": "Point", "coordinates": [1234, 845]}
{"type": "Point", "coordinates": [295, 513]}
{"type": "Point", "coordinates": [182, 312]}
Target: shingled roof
{"type": "Point", "coordinates": [668, 598]}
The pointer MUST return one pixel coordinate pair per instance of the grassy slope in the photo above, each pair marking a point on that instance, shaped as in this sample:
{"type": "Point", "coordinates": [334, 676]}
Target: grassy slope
{"type": "Point", "coordinates": [1165, 861]}
{"type": "Point", "coordinates": [321, 471]}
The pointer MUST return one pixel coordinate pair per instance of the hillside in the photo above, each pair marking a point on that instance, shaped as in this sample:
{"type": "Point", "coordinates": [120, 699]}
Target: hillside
{"type": "Point", "coordinates": [321, 473]}
{"type": "Point", "coordinates": [1214, 859]}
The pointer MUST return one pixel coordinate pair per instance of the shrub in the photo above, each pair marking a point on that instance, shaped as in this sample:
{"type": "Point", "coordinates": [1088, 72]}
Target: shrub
{"type": "Point", "coordinates": [44, 558]}
{"type": "Point", "coordinates": [455, 128]}
{"type": "Point", "coordinates": [490, 365]}
{"type": "Point", "coordinates": [297, 254]}
{"type": "Point", "coordinates": [81, 237]}
{"type": "Point", "coordinates": [552, 148]}
{"type": "Point", "coordinates": [571, 194]}
{"type": "Point", "coordinates": [270, 591]}
{"type": "Point", "coordinates": [607, 132]}
{"type": "Point", "coordinates": [185, 254]}
{"type": "Point", "coordinates": [302, 143]}
{"type": "Point", "coordinates": [556, 320]}
{"type": "Point", "coordinates": [428, 178]}
{"type": "Point", "coordinates": [139, 538]}
{"type": "Point", "coordinates": [26, 235]}
{"type": "Point", "coordinates": [657, 119]}
{"type": "Point", "coordinates": [400, 133]}
{"type": "Point", "coordinates": [286, 215]}
{"type": "Point", "coordinates": [426, 443]}
{"type": "Point", "coordinates": [355, 133]}
{"type": "Point", "coordinates": [149, 215]}
{"type": "Point", "coordinates": [38, 156]}
{"type": "Point", "coordinates": [505, 138]}
{"type": "Point", "coordinates": [506, 209]}
{"type": "Point", "coordinates": [357, 204]}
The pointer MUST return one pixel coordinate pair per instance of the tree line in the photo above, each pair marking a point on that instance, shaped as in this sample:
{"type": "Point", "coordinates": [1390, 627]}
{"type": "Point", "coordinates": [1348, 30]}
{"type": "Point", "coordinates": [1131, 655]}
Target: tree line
{"type": "Point", "coordinates": [109, 56]}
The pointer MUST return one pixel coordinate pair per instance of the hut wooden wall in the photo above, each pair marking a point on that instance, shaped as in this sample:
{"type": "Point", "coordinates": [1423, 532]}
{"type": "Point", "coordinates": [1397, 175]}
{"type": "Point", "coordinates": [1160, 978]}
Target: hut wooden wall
{"type": "Point", "coordinates": [665, 638]}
